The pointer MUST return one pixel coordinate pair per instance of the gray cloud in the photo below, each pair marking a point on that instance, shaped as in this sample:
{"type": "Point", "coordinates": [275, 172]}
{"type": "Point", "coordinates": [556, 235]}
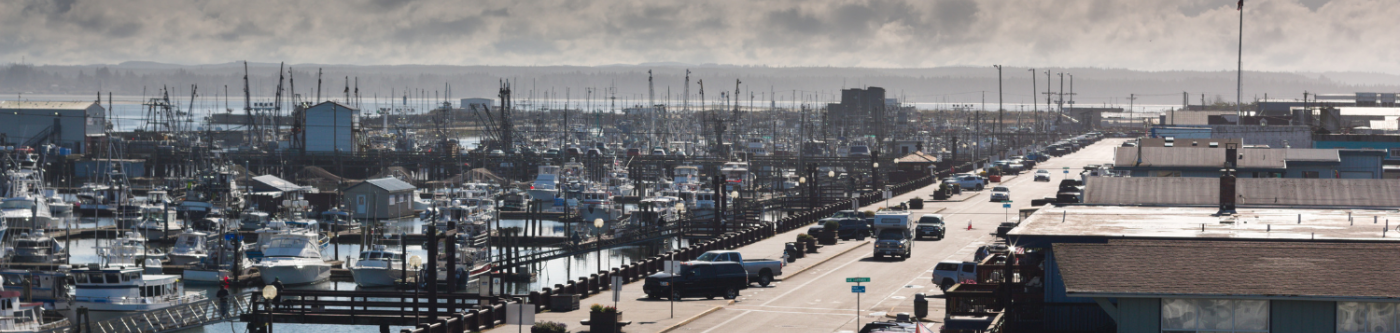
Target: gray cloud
{"type": "Point", "coordinates": [1280, 35]}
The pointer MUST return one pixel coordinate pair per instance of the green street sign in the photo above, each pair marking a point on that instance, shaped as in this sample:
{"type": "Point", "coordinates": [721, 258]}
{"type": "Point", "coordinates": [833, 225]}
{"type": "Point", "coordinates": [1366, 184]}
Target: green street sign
{"type": "Point", "coordinates": [858, 279]}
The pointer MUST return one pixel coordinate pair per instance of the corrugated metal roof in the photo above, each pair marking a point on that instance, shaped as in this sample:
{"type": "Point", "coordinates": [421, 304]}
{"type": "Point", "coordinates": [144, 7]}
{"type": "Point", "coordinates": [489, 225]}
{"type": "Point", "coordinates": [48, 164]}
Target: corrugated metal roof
{"type": "Point", "coordinates": [1159, 157]}
{"type": "Point", "coordinates": [1152, 190]}
{"type": "Point", "coordinates": [277, 183]}
{"type": "Point", "coordinates": [1318, 192]}
{"type": "Point", "coordinates": [391, 184]}
{"type": "Point", "coordinates": [1312, 155]}
{"type": "Point", "coordinates": [31, 105]}
{"type": "Point", "coordinates": [1294, 192]}
{"type": "Point", "coordinates": [1270, 269]}
{"type": "Point", "coordinates": [1194, 117]}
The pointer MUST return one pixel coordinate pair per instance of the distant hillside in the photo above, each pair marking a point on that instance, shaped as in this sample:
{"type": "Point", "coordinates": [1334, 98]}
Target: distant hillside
{"type": "Point", "coordinates": [1094, 86]}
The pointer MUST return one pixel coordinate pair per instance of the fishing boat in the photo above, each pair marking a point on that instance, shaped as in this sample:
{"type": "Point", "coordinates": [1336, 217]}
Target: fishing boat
{"type": "Point", "coordinates": [546, 185]}
{"type": "Point", "coordinates": [225, 258]}
{"type": "Point", "coordinates": [23, 317]}
{"type": "Point", "coordinates": [294, 259]}
{"type": "Point", "coordinates": [36, 247]}
{"type": "Point", "coordinates": [380, 266]}
{"type": "Point", "coordinates": [127, 288]}
{"type": "Point", "coordinates": [50, 288]}
{"type": "Point", "coordinates": [190, 248]}
{"type": "Point", "coordinates": [595, 203]}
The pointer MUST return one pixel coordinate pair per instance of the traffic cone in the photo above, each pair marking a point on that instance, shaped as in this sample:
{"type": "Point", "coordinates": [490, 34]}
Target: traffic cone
{"type": "Point", "coordinates": [969, 225]}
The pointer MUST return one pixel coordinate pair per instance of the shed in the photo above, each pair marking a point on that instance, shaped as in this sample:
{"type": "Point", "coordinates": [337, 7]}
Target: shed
{"type": "Point", "coordinates": [383, 198]}
{"type": "Point", "coordinates": [332, 127]}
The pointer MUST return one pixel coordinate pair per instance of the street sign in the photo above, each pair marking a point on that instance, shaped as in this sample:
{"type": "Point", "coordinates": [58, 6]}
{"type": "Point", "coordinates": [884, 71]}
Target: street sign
{"type": "Point", "coordinates": [857, 279]}
{"type": "Point", "coordinates": [858, 289]}
{"type": "Point", "coordinates": [616, 288]}
{"type": "Point", "coordinates": [1006, 205]}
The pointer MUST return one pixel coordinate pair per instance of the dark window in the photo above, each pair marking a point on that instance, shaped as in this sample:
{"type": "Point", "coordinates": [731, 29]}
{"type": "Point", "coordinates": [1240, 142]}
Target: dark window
{"type": "Point", "coordinates": [968, 268]}
{"type": "Point", "coordinates": [112, 278]}
{"type": "Point", "coordinates": [1310, 174]}
{"type": "Point", "coordinates": [946, 267]}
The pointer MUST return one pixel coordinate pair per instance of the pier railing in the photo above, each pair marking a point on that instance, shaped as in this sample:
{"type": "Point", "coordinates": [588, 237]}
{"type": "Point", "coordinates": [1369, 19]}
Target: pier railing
{"type": "Point", "coordinates": [169, 319]}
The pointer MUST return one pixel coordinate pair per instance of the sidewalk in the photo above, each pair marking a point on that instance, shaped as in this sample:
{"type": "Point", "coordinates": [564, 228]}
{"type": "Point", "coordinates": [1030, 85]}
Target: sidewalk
{"type": "Point", "coordinates": [649, 315]}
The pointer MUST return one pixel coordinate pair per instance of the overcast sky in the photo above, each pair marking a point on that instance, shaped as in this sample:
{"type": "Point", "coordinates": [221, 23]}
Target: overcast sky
{"type": "Point", "coordinates": [1280, 35]}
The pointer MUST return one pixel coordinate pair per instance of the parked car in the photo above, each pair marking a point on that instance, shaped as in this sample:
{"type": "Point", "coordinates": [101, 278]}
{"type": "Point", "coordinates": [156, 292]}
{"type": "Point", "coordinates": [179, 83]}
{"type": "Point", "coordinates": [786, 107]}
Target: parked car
{"type": "Point", "coordinates": [1042, 175]}
{"type": "Point", "coordinates": [759, 270]}
{"type": "Point", "coordinates": [858, 151]}
{"type": "Point", "coordinates": [853, 228]}
{"type": "Point", "coordinates": [838, 216]}
{"type": "Point", "coordinates": [1001, 194]}
{"type": "Point", "coordinates": [699, 279]}
{"type": "Point", "coordinates": [948, 273]}
{"type": "Point", "coordinates": [971, 182]}
{"type": "Point", "coordinates": [930, 225]}
{"type": "Point", "coordinates": [497, 153]}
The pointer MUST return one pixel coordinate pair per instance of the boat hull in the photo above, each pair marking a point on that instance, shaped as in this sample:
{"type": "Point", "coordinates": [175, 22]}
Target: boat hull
{"type": "Point", "coordinates": [294, 274]}
{"type": "Point", "coordinates": [378, 276]}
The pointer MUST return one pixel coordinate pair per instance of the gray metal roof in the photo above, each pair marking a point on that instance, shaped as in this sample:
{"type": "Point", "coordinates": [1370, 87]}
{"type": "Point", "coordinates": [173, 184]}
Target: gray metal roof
{"type": "Point", "coordinates": [1177, 157]}
{"type": "Point", "coordinates": [1205, 191]}
{"type": "Point", "coordinates": [1231, 268]}
{"type": "Point", "coordinates": [277, 183]}
{"type": "Point", "coordinates": [1152, 190]}
{"type": "Point", "coordinates": [1312, 155]}
{"type": "Point", "coordinates": [391, 184]}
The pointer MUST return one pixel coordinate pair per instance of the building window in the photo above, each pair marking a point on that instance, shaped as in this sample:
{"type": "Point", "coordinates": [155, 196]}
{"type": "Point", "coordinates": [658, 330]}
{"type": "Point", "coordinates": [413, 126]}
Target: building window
{"type": "Point", "coordinates": [1310, 174]}
{"type": "Point", "coordinates": [1365, 317]}
{"type": "Point", "coordinates": [1168, 174]}
{"type": "Point", "coordinates": [1214, 315]}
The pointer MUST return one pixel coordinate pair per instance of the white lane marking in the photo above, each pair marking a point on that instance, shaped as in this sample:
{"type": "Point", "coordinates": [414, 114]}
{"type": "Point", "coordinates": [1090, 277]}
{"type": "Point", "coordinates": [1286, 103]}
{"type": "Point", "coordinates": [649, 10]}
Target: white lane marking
{"type": "Point", "coordinates": [727, 321]}
{"type": "Point", "coordinates": [813, 280]}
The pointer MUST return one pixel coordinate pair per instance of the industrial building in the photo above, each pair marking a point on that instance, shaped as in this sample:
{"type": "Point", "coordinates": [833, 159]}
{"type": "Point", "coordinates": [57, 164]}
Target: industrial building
{"type": "Point", "coordinates": [332, 127]}
{"type": "Point", "coordinates": [861, 113]}
{"type": "Point", "coordinates": [1205, 161]}
{"type": "Point", "coordinates": [383, 198]}
{"type": "Point", "coordinates": [1161, 255]}
{"type": "Point", "coordinates": [65, 124]}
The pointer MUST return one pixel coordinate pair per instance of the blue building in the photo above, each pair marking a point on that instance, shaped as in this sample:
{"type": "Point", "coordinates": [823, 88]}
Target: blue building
{"type": "Point", "coordinates": [332, 127]}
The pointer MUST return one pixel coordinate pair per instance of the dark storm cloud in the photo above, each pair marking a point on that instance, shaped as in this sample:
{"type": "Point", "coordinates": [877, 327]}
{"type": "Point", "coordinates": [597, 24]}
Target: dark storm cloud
{"type": "Point", "coordinates": [1141, 34]}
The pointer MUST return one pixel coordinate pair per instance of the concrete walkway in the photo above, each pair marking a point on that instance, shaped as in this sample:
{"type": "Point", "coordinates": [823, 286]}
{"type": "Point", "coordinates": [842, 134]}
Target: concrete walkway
{"type": "Point", "coordinates": [649, 315]}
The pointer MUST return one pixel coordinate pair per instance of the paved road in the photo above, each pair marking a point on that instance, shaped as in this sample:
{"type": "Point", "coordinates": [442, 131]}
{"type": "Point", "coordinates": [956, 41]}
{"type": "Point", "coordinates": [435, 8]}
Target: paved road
{"type": "Point", "coordinates": [819, 299]}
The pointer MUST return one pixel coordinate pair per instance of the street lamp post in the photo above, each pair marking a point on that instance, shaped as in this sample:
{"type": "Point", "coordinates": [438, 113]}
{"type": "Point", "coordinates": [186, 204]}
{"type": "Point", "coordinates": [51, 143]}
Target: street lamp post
{"type": "Point", "coordinates": [598, 242]}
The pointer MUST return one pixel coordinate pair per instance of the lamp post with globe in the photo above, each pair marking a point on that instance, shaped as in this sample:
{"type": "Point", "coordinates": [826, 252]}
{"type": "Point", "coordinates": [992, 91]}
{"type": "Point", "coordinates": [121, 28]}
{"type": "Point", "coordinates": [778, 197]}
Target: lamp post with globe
{"type": "Point", "coordinates": [598, 241]}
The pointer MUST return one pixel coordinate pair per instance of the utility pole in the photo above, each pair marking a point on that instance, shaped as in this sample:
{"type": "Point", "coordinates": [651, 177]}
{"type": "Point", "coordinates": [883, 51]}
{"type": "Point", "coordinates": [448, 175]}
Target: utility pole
{"type": "Point", "coordinates": [1034, 109]}
{"type": "Point", "coordinates": [1001, 112]}
{"type": "Point", "coordinates": [1060, 102]}
{"type": "Point", "coordinates": [1131, 98]}
{"type": "Point", "coordinates": [1239, 70]}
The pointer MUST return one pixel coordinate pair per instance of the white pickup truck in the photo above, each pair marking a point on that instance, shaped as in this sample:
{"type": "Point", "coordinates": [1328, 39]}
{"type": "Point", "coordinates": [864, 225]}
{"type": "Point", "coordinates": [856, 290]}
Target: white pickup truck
{"type": "Point", "coordinates": [948, 273]}
{"type": "Point", "coordinates": [760, 270]}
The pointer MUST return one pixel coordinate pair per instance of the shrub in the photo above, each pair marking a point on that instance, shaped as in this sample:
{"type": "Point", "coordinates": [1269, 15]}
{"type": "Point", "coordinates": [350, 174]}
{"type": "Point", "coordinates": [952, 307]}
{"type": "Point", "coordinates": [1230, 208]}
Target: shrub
{"type": "Point", "coordinates": [805, 237]}
{"type": "Point", "coordinates": [549, 327]}
{"type": "Point", "coordinates": [831, 225]}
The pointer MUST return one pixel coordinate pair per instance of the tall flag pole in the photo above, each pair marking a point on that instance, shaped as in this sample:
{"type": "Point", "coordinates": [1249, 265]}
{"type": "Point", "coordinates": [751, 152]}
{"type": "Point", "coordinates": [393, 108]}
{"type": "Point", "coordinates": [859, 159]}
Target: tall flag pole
{"type": "Point", "coordinates": [1239, 70]}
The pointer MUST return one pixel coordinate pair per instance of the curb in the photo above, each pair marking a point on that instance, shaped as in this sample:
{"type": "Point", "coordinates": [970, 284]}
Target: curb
{"type": "Point", "coordinates": [823, 261]}
{"type": "Point", "coordinates": [692, 318]}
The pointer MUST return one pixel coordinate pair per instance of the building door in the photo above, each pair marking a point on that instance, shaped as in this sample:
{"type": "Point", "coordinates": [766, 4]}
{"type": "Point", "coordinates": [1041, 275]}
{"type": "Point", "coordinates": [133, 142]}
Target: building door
{"type": "Point", "coordinates": [360, 204]}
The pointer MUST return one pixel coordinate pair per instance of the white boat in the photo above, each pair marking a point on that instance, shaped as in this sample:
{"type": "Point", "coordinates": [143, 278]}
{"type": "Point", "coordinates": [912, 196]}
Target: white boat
{"type": "Point", "coordinates": [220, 263]}
{"type": "Point", "coordinates": [598, 204]}
{"type": "Point", "coordinates": [190, 248]}
{"type": "Point", "coordinates": [36, 247]}
{"type": "Point", "coordinates": [127, 288]}
{"type": "Point", "coordinates": [128, 249]}
{"type": "Point", "coordinates": [736, 174]}
{"type": "Point", "coordinates": [546, 185]}
{"type": "Point", "coordinates": [294, 257]}
{"type": "Point", "coordinates": [159, 219]}
{"type": "Point", "coordinates": [380, 267]}
{"type": "Point", "coordinates": [301, 228]}
{"type": "Point", "coordinates": [23, 317]}
{"type": "Point", "coordinates": [253, 220]}
{"type": "Point", "coordinates": [28, 211]}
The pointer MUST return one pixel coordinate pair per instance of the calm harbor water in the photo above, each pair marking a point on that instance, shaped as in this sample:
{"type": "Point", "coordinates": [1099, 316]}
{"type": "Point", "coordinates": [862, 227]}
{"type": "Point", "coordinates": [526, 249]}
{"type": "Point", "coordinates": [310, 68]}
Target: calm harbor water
{"type": "Point", "coordinates": [548, 273]}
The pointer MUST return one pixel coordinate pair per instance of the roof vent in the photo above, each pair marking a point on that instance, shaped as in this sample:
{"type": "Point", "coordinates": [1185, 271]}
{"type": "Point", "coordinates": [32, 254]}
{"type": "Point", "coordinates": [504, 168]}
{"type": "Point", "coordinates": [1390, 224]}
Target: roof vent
{"type": "Point", "coordinates": [1170, 139]}
{"type": "Point", "coordinates": [1215, 145]}
{"type": "Point", "coordinates": [1169, 144]}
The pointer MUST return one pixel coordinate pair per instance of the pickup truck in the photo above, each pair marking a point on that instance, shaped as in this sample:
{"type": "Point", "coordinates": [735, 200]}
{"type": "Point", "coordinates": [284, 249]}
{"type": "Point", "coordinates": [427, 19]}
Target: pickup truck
{"type": "Point", "coordinates": [894, 235]}
{"type": "Point", "coordinates": [759, 270]}
{"type": "Point", "coordinates": [970, 181]}
{"type": "Point", "coordinates": [698, 279]}
{"type": "Point", "coordinates": [930, 225]}
{"type": "Point", "coordinates": [948, 273]}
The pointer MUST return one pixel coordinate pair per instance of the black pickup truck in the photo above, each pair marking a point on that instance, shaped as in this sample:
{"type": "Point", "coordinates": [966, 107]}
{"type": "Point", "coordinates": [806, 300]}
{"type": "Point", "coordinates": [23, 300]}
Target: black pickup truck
{"type": "Point", "coordinates": [699, 279]}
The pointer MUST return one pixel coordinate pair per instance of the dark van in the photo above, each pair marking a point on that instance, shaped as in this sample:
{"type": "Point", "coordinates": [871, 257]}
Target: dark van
{"type": "Point", "coordinates": [699, 279]}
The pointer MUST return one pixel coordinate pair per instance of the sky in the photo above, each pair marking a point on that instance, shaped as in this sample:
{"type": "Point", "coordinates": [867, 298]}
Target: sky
{"type": "Point", "coordinates": [1153, 35]}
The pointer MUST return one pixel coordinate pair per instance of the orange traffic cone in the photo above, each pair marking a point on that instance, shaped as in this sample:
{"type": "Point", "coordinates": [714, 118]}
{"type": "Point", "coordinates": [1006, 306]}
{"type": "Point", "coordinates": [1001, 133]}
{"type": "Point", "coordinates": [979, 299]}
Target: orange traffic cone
{"type": "Point", "coordinates": [969, 225]}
